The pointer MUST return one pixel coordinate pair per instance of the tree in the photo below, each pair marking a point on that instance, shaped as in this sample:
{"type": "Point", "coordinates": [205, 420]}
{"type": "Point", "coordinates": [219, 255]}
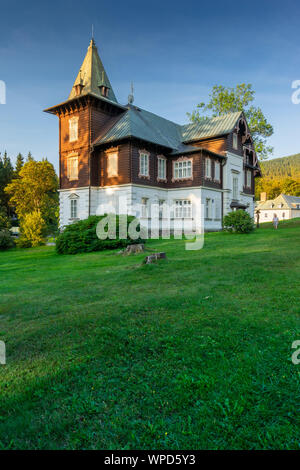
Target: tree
{"type": "Point", "coordinates": [35, 190]}
{"type": "Point", "coordinates": [32, 230]}
{"type": "Point", "coordinates": [29, 157]}
{"type": "Point", "coordinates": [6, 174]}
{"type": "Point", "coordinates": [4, 220]}
{"type": "Point", "coordinates": [291, 187]}
{"type": "Point", "coordinates": [19, 165]}
{"type": "Point", "coordinates": [225, 100]}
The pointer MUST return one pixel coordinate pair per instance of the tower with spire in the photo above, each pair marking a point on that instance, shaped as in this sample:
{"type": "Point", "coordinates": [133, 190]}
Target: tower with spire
{"type": "Point", "coordinates": [91, 105]}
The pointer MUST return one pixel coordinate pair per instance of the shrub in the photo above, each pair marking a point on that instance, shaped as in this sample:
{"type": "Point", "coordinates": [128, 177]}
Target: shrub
{"type": "Point", "coordinates": [32, 230]}
{"type": "Point", "coordinates": [81, 237]}
{"type": "Point", "coordinates": [6, 240]}
{"type": "Point", "coordinates": [238, 221]}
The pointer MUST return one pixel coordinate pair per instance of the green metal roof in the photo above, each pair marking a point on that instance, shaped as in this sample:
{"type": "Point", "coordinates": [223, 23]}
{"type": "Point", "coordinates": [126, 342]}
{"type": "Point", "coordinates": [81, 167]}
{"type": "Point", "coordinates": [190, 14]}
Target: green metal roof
{"type": "Point", "coordinates": [213, 127]}
{"type": "Point", "coordinates": [136, 122]}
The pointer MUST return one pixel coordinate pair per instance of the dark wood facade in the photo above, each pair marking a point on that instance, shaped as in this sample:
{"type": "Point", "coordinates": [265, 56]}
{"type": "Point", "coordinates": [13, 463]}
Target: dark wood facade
{"type": "Point", "coordinates": [93, 122]}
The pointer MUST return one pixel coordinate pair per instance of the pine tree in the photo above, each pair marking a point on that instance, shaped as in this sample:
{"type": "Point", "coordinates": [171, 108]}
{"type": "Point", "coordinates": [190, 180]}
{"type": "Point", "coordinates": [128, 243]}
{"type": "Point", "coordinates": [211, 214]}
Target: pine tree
{"type": "Point", "coordinates": [29, 157]}
{"type": "Point", "coordinates": [6, 175]}
{"type": "Point", "coordinates": [19, 165]}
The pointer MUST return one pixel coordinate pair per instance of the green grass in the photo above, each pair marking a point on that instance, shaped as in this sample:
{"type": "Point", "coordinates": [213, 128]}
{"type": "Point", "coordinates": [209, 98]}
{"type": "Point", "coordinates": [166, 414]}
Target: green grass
{"type": "Point", "coordinates": [191, 353]}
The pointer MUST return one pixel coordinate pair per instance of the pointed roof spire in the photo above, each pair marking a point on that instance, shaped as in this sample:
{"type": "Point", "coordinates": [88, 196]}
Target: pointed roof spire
{"type": "Point", "coordinates": [92, 77]}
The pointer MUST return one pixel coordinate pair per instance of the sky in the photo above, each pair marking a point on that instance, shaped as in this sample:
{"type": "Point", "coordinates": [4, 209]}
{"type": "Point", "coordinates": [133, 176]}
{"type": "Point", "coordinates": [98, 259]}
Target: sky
{"type": "Point", "coordinates": [173, 51]}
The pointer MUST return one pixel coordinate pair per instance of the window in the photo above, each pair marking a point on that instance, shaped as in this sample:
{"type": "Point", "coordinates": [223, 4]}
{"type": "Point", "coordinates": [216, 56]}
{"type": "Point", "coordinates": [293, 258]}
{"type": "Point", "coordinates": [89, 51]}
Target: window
{"type": "Point", "coordinates": [162, 167]}
{"type": "Point", "coordinates": [266, 215]}
{"type": "Point", "coordinates": [208, 205]}
{"type": "Point", "coordinates": [218, 209]}
{"type": "Point", "coordinates": [144, 164]}
{"type": "Point", "coordinates": [217, 171]}
{"type": "Point", "coordinates": [235, 141]}
{"type": "Point", "coordinates": [73, 129]}
{"type": "Point", "coordinates": [183, 169]}
{"type": "Point", "coordinates": [235, 187]}
{"type": "Point", "coordinates": [161, 203]}
{"type": "Point", "coordinates": [104, 90]}
{"type": "Point", "coordinates": [72, 168]}
{"type": "Point", "coordinates": [144, 208]}
{"type": "Point", "coordinates": [112, 164]}
{"type": "Point", "coordinates": [73, 208]}
{"type": "Point", "coordinates": [249, 177]}
{"type": "Point", "coordinates": [207, 168]}
{"type": "Point", "coordinates": [283, 215]}
{"type": "Point", "coordinates": [183, 209]}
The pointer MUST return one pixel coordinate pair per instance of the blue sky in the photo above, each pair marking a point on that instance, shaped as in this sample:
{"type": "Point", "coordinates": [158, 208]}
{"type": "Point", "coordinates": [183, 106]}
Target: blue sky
{"type": "Point", "coordinates": [173, 51]}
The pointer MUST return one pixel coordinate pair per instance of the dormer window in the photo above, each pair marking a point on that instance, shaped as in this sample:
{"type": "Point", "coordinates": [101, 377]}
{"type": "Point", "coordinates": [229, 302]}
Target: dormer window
{"type": "Point", "coordinates": [78, 89]}
{"type": "Point", "coordinates": [104, 90]}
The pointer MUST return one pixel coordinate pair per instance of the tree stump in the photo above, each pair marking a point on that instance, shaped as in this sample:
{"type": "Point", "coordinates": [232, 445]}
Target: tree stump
{"type": "Point", "coordinates": [133, 249]}
{"type": "Point", "coordinates": [153, 258]}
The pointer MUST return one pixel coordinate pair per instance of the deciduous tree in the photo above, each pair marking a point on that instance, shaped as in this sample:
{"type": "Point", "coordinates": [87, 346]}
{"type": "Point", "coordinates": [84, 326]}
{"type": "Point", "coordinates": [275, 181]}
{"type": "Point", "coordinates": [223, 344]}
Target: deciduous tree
{"type": "Point", "coordinates": [223, 100]}
{"type": "Point", "coordinates": [35, 191]}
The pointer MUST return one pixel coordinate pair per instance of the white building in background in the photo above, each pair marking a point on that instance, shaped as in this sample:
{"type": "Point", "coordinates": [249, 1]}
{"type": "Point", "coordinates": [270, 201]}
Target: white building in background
{"type": "Point", "coordinates": [284, 206]}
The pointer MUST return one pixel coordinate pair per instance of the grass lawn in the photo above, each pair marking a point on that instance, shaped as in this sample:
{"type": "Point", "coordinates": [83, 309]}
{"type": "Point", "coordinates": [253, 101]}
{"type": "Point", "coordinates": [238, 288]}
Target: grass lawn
{"type": "Point", "coordinates": [191, 353]}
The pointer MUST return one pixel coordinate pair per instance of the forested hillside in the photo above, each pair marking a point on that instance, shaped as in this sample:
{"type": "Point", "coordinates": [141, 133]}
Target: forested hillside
{"type": "Point", "coordinates": [281, 175]}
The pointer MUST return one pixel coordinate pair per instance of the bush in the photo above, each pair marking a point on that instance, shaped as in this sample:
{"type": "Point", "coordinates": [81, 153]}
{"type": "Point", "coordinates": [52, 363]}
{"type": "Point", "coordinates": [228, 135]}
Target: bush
{"type": "Point", "coordinates": [81, 237]}
{"type": "Point", "coordinates": [238, 221]}
{"type": "Point", "coordinates": [32, 230]}
{"type": "Point", "coordinates": [6, 240]}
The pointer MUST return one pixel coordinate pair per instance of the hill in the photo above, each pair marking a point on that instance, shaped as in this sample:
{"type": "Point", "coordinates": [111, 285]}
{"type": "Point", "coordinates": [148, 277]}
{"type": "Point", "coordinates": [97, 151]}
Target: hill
{"type": "Point", "coordinates": [280, 175]}
{"type": "Point", "coordinates": [285, 167]}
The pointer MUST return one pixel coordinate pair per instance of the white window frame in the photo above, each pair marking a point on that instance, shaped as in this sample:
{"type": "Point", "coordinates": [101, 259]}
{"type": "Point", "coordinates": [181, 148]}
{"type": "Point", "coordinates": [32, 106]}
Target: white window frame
{"type": "Point", "coordinates": [183, 209]}
{"type": "Point", "coordinates": [235, 187]}
{"type": "Point", "coordinates": [235, 141]}
{"type": "Point", "coordinates": [73, 129]}
{"type": "Point", "coordinates": [144, 207]}
{"type": "Point", "coordinates": [248, 178]}
{"type": "Point", "coordinates": [218, 214]}
{"type": "Point", "coordinates": [112, 167]}
{"type": "Point", "coordinates": [183, 169]}
{"type": "Point", "coordinates": [161, 168]}
{"type": "Point", "coordinates": [208, 208]}
{"type": "Point", "coordinates": [72, 167]}
{"type": "Point", "coordinates": [73, 209]}
{"type": "Point", "coordinates": [161, 208]}
{"type": "Point", "coordinates": [208, 166]}
{"type": "Point", "coordinates": [218, 165]}
{"type": "Point", "coordinates": [144, 164]}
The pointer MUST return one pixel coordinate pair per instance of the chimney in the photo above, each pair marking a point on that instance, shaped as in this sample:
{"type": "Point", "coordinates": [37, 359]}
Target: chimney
{"type": "Point", "coordinates": [263, 197]}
